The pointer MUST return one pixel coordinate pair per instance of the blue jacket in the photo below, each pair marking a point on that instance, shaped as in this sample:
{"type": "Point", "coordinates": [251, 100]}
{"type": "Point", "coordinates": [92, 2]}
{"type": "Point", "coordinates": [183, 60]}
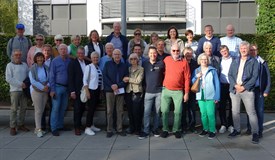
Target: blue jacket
{"type": "Point", "coordinates": [250, 74]}
{"type": "Point", "coordinates": [264, 76]}
{"type": "Point", "coordinates": [113, 74]}
{"type": "Point", "coordinates": [212, 84]}
{"type": "Point", "coordinates": [124, 42]}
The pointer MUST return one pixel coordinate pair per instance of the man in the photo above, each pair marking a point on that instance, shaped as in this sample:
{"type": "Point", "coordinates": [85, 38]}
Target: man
{"type": "Point", "coordinates": [119, 41]}
{"type": "Point", "coordinates": [215, 41]}
{"type": "Point", "coordinates": [153, 77]}
{"type": "Point", "coordinates": [58, 39]}
{"type": "Point", "coordinates": [113, 74]}
{"type": "Point", "coordinates": [231, 41]}
{"type": "Point", "coordinates": [138, 50]}
{"type": "Point", "coordinates": [176, 87]}
{"type": "Point", "coordinates": [19, 42]}
{"type": "Point", "coordinates": [243, 74]}
{"type": "Point", "coordinates": [75, 74]}
{"type": "Point", "coordinates": [160, 48]}
{"type": "Point", "coordinates": [59, 87]}
{"type": "Point", "coordinates": [262, 88]}
{"type": "Point", "coordinates": [16, 73]}
{"type": "Point", "coordinates": [190, 105]}
{"type": "Point", "coordinates": [226, 122]}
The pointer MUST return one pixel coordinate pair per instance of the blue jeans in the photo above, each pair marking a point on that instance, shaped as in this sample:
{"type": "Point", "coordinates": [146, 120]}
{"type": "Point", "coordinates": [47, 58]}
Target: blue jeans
{"type": "Point", "coordinates": [59, 106]}
{"type": "Point", "coordinates": [149, 100]}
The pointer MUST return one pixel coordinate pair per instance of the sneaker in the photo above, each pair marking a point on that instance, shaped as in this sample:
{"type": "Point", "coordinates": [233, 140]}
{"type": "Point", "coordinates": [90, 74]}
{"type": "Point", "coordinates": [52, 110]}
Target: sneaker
{"type": "Point", "coordinates": [255, 138]}
{"type": "Point", "coordinates": [177, 134]}
{"type": "Point", "coordinates": [211, 135]}
{"type": "Point", "coordinates": [230, 129]}
{"type": "Point", "coordinates": [234, 134]}
{"type": "Point", "coordinates": [39, 133]}
{"type": "Point", "coordinates": [203, 133]}
{"type": "Point", "coordinates": [143, 135]}
{"type": "Point", "coordinates": [164, 134]}
{"type": "Point", "coordinates": [156, 133]}
{"type": "Point", "coordinates": [248, 132]}
{"type": "Point", "coordinates": [122, 133]}
{"type": "Point", "coordinates": [95, 129]}
{"type": "Point", "coordinates": [222, 129]}
{"type": "Point", "coordinates": [12, 131]}
{"type": "Point", "coordinates": [89, 131]}
{"type": "Point", "coordinates": [109, 134]}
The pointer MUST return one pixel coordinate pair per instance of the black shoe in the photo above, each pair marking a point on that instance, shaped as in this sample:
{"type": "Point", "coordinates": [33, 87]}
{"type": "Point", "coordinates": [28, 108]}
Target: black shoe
{"type": "Point", "coordinates": [109, 134]}
{"type": "Point", "coordinates": [203, 133]}
{"type": "Point", "coordinates": [164, 134]}
{"type": "Point", "coordinates": [248, 132]}
{"type": "Point", "coordinates": [177, 134]}
{"type": "Point", "coordinates": [211, 135]}
{"type": "Point", "coordinates": [143, 135]}
{"type": "Point", "coordinates": [260, 135]}
{"type": "Point", "coordinates": [156, 133]}
{"type": "Point", "coordinates": [255, 138]}
{"type": "Point", "coordinates": [193, 130]}
{"type": "Point", "coordinates": [130, 131]}
{"type": "Point", "coordinates": [122, 133]}
{"type": "Point", "coordinates": [55, 133]}
{"type": "Point", "coordinates": [234, 134]}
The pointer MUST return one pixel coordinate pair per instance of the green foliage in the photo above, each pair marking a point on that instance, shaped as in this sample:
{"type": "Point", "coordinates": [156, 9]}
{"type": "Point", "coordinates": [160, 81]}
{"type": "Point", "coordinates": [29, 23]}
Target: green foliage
{"type": "Point", "coordinates": [266, 45]}
{"type": "Point", "coordinates": [8, 16]}
{"type": "Point", "coordinates": [265, 22]}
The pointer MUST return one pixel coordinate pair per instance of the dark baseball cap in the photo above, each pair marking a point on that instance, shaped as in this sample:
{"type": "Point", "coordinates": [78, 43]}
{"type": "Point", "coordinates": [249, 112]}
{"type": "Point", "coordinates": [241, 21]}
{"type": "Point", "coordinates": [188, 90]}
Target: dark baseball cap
{"type": "Point", "coordinates": [20, 26]}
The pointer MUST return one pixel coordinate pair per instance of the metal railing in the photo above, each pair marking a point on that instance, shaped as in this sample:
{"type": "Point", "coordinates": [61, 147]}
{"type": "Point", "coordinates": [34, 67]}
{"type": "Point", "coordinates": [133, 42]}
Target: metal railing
{"type": "Point", "coordinates": [143, 8]}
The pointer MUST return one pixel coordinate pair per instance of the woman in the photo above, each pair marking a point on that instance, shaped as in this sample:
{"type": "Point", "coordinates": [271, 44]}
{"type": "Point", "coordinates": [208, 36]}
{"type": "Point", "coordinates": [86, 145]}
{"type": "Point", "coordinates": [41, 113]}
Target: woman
{"type": "Point", "coordinates": [94, 45]}
{"type": "Point", "coordinates": [134, 93]}
{"type": "Point", "coordinates": [208, 95]}
{"type": "Point", "coordinates": [93, 83]}
{"type": "Point", "coordinates": [191, 42]}
{"type": "Point", "coordinates": [173, 38]}
{"type": "Point", "coordinates": [136, 40]}
{"type": "Point", "coordinates": [153, 42]}
{"type": "Point", "coordinates": [72, 48]}
{"type": "Point", "coordinates": [39, 77]}
{"type": "Point", "coordinates": [214, 61]}
{"type": "Point", "coordinates": [39, 41]}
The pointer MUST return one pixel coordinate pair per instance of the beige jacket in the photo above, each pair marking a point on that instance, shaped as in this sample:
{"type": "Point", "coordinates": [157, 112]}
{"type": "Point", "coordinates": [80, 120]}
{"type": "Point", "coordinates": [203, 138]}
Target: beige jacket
{"type": "Point", "coordinates": [135, 80]}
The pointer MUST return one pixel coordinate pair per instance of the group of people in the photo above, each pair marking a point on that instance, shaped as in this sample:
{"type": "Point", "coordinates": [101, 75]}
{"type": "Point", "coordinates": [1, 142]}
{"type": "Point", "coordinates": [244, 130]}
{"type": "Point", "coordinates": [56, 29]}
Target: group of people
{"type": "Point", "coordinates": [149, 79]}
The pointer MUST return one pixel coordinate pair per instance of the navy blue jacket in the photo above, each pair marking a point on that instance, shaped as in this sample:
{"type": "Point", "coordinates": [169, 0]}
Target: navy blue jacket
{"type": "Point", "coordinates": [124, 42]}
{"type": "Point", "coordinates": [264, 76]}
{"type": "Point", "coordinates": [250, 74]}
{"type": "Point", "coordinates": [113, 74]}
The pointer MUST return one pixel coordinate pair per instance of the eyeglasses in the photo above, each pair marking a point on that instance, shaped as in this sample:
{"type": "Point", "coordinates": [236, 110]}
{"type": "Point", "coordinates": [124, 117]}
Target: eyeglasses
{"type": "Point", "coordinates": [133, 59]}
{"type": "Point", "coordinates": [39, 39]}
{"type": "Point", "coordinates": [137, 34]}
{"type": "Point", "coordinates": [58, 40]}
{"type": "Point", "coordinates": [175, 50]}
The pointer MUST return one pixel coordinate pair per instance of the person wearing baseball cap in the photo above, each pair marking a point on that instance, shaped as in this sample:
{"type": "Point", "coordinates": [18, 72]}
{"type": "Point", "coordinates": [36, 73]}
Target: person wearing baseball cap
{"type": "Point", "coordinates": [19, 42]}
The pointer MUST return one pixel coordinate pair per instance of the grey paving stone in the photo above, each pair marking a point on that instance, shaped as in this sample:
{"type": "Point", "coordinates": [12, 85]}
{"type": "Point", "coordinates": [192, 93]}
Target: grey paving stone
{"type": "Point", "coordinates": [251, 154]}
{"type": "Point", "coordinates": [167, 143]}
{"type": "Point", "coordinates": [129, 154]}
{"type": "Point", "coordinates": [89, 154]}
{"type": "Point", "coordinates": [131, 142]}
{"type": "Point", "coordinates": [63, 142]}
{"type": "Point", "coordinates": [26, 142]}
{"type": "Point", "coordinates": [96, 142]}
{"type": "Point", "coordinates": [207, 152]}
{"type": "Point", "coordinates": [193, 141]}
{"type": "Point", "coordinates": [5, 140]}
{"type": "Point", "coordinates": [49, 154]}
{"type": "Point", "coordinates": [169, 154]}
{"type": "Point", "coordinates": [15, 154]}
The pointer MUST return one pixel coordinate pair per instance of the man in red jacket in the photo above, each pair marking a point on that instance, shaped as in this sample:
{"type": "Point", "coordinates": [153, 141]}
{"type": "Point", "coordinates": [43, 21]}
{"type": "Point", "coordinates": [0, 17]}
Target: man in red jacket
{"type": "Point", "coordinates": [175, 87]}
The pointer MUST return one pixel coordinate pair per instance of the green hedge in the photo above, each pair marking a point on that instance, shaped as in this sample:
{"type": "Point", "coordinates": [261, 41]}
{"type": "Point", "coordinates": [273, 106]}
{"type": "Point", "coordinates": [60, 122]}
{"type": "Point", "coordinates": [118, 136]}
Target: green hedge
{"type": "Point", "coordinates": [266, 45]}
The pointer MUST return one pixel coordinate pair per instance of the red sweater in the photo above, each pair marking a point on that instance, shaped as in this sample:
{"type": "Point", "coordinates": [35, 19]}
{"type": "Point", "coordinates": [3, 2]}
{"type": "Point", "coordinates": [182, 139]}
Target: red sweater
{"type": "Point", "coordinates": [177, 74]}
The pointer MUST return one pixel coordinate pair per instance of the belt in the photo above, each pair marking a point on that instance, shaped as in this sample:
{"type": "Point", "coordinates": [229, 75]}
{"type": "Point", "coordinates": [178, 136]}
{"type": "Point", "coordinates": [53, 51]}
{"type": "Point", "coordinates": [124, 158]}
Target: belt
{"type": "Point", "coordinates": [64, 85]}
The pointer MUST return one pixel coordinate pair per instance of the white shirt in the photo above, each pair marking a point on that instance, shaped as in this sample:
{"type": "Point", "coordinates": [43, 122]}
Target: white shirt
{"type": "Point", "coordinates": [225, 66]}
{"type": "Point", "coordinates": [240, 72]}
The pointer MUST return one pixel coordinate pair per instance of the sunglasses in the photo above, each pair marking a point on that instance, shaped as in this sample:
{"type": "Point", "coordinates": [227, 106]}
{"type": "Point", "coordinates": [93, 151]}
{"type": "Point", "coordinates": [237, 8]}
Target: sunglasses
{"type": "Point", "coordinates": [137, 34]}
{"type": "Point", "coordinates": [39, 39]}
{"type": "Point", "coordinates": [175, 50]}
{"type": "Point", "coordinates": [133, 59]}
{"type": "Point", "coordinates": [58, 40]}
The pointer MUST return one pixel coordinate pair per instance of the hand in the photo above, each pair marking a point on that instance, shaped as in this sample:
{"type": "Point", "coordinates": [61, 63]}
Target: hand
{"type": "Point", "coordinates": [126, 79]}
{"type": "Point", "coordinates": [73, 95]}
{"type": "Point", "coordinates": [24, 85]}
{"type": "Point", "coordinates": [46, 88]}
{"type": "Point", "coordinates": [88, 94]}
{"type": "Point", "coordinates": [265, 94]}
{"type": "Point", "coordinates": [239, 88]}
{"type": "Point", "coordinates": [185, 97]}
{"type": "Point", "coordinates": [199, 75]}
{"type": "Point", "coordinates": [216, 101]}
{"type": "Point", "coordinates": [52, 94]}
{"type": "Point", "coordinates": [114, 87]}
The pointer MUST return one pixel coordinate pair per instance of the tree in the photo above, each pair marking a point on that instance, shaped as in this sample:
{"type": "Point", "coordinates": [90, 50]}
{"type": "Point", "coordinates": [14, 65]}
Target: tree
{"type": "Point", "coordinates": [8, 16]}
{"type": "Point", "coordinates": [265, 22]}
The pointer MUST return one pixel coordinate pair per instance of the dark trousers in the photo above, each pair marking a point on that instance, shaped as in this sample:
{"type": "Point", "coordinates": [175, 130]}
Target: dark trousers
{"type": "Point", "coordinates": [92, 104]}
{"type": "Point", "coordinates": [79, 109]}
{"type": "Point", "coordinates": [189, 108]}
{"type": "Point", "coordinates": [134, 107]}
{"type": "Point", "coordinates": [43, 121]}
{"type": "Point", "coordinates": [225, 97]}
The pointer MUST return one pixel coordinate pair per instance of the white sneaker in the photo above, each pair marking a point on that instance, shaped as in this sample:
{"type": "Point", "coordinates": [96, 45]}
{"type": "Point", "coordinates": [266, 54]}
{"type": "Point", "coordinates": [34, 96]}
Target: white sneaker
{"type": "Point", "coordinates": [39, 133]}
{"type": "Point", "coordinates": [89, 132]}
{"type": "Point", "coordinates": [231, 129]}
{"type": "Point", "coordinates": [222, 129]}
{"type": "Point", "coordinates": [95, 129]}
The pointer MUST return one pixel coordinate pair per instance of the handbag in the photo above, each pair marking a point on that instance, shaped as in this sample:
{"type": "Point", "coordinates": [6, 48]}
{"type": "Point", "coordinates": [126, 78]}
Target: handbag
{"type": "Point", "coordinates": [196, 85]}
{"type": "Point", "coordinates": [83, 94]}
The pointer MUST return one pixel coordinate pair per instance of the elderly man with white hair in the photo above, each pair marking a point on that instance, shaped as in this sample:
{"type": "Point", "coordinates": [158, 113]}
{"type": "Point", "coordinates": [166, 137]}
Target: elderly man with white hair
{"type": "Point", "coordinates": [59, 89]}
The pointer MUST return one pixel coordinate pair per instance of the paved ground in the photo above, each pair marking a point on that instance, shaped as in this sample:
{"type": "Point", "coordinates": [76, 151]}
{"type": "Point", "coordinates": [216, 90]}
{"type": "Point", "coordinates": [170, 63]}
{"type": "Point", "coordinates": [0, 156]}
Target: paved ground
{"type": "Point", "coordinates": [26, 146]}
